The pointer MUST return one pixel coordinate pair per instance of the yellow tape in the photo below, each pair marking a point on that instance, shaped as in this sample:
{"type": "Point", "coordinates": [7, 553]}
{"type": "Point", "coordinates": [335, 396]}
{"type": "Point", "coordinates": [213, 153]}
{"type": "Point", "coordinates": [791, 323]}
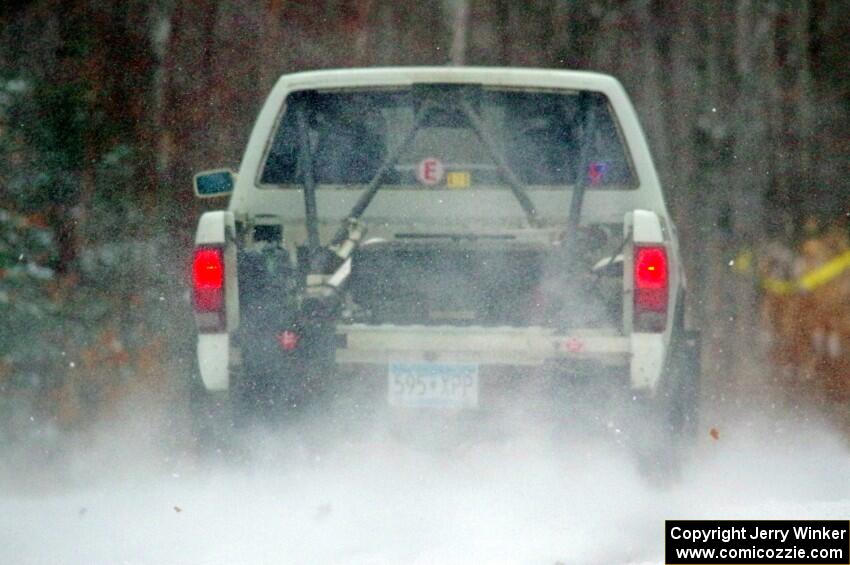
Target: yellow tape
{"type": "Point", "coordinates": [778, 286]}
{"type": "Point", "coordinates": [811, 280]}
{"type": "Point", "coordinates": [825, 273]}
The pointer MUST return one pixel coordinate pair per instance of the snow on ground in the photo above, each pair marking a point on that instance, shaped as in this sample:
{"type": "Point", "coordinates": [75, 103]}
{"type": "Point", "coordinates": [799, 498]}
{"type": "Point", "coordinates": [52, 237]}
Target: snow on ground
{"type": "Point", "coordinates": [122, 499]}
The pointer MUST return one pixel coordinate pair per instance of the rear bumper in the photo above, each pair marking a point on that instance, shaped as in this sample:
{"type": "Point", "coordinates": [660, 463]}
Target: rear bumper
{"type": "Point", "coordinates": [640, 356]}
{"type": "Point", "coordinates": [360, 343]}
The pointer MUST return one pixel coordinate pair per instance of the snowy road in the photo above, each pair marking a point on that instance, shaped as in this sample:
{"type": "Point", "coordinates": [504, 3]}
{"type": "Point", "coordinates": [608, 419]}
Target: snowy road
{"type": "Point", "coordinates": [122, 500]}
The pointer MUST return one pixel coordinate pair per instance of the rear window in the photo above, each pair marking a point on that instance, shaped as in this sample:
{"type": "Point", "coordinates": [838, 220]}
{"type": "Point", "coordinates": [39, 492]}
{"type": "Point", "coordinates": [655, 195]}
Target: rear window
{"type": "Point", "coordinates": [460, 135]}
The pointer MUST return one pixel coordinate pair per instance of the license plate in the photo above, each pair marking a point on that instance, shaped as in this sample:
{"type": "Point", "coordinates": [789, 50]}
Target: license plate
{"type": "Point", "coordinates": [433, 385]}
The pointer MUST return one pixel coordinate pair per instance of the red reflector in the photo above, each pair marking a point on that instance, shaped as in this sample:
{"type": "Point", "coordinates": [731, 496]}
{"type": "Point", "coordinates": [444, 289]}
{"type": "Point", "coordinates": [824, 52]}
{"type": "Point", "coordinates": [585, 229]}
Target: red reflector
{"type": "Point", "coordinates": [651, 288]}
{"type": "Point", "coordinates": [288, 340]}
{"type": "Point", "coordinates": [208, 279]}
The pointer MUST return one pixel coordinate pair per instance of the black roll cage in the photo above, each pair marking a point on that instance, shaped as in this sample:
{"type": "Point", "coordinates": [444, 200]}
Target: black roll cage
{"type": "Point", "coordinates": [462, 104]}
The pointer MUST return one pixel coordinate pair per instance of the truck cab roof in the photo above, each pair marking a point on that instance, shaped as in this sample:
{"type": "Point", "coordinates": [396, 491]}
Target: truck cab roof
{"type": "Point", "coordinates": [491, 76]}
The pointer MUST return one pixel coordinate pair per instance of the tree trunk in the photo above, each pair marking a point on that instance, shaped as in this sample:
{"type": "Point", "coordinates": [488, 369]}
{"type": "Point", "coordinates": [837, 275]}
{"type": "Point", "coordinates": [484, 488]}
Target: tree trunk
{"type": "Point", "coordinates": [457, 53]}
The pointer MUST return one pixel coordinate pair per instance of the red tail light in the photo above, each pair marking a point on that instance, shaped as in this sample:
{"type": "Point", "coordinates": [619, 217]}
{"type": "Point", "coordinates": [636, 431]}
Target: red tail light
{"type": "Point", "coordinates": [208, 287]}
{"type": "Point", "coordinates": [651, 288]}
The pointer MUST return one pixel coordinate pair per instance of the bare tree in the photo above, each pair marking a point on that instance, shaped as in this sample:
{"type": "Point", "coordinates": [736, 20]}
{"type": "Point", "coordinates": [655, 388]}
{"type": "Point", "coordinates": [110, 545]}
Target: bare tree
{"type": "Point", "coordinates": [460, 9]}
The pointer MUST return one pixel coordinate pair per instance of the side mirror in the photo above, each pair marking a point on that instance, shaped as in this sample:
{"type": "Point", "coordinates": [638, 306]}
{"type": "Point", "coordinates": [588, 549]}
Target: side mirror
{"type": "Point", "coordinates": [218, 182]}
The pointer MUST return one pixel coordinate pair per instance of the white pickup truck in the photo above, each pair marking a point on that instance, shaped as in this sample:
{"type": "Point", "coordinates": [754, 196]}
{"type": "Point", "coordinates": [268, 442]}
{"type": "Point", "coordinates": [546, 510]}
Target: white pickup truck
{"type": "Point", "coordinates": [433, 240]}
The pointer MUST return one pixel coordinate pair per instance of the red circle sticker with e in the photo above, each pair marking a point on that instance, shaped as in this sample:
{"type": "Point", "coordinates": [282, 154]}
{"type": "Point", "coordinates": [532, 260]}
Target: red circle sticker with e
{"type": "Point", "coordinates": [430, 171]}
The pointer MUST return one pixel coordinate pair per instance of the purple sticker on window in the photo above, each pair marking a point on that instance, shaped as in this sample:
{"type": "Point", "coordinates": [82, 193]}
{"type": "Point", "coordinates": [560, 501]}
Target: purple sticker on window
{"type": "Point", "coordinates": [597, 171]}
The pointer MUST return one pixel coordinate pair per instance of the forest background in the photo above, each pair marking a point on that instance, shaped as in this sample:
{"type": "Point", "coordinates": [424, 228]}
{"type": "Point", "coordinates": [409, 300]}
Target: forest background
{"type": "Point", "coordinates": [107, 108]}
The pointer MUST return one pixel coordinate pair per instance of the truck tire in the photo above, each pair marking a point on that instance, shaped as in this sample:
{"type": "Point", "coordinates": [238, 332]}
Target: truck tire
{"type": "Point", "coordinates": [685, 369]}
{"type": "Point", "coordinates": [211, 420]}
{"type": "Point", "coordinates": [667, 427]}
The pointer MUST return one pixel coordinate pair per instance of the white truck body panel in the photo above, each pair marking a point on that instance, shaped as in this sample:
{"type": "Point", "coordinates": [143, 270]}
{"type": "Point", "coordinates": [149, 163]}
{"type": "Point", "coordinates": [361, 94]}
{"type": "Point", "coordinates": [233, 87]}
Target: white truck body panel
{"type": "Point", "coordinates": [214, 360]}
{"type": "Point", "coordinates": [217, 228]}
{"type": "Point", "coordinates": [648, 349]}
{"type": "Point", "coordinates": [213, 226]}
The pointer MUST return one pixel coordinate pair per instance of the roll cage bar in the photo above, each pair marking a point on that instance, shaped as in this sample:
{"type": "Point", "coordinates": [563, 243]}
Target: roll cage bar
{"type": "Point", "coordinates": [318, 260]}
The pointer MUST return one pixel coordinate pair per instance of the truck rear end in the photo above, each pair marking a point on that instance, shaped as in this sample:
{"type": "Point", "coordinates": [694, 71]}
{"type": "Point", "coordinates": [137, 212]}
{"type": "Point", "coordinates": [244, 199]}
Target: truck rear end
{"type": "Point", "coordinates": [427, 239]}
